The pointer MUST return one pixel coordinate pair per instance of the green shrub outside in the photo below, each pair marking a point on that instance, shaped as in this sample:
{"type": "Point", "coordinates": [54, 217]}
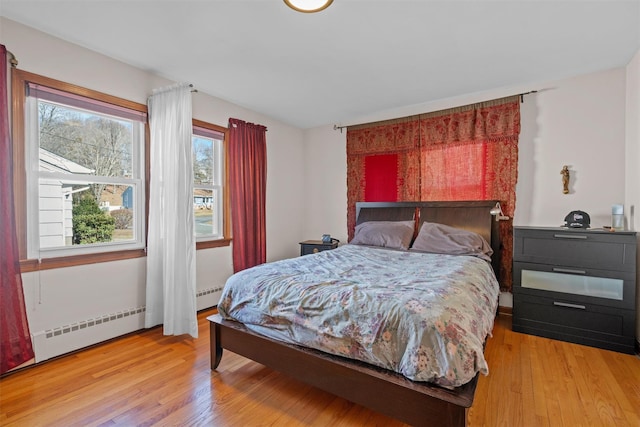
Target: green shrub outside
{"type": "Point", "coordinates": [90, 223]}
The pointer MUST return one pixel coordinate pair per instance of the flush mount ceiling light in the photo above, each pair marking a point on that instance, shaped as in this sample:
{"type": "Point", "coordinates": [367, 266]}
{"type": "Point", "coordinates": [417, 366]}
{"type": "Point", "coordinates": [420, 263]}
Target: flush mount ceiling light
{"type": "Point", "coordinates": [308, 6]}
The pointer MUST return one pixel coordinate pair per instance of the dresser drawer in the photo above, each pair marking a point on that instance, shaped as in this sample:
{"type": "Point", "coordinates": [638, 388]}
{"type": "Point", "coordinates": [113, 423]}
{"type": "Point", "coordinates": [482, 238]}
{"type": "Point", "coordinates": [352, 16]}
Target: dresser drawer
{"type": "Point", "coordinates": [581, 284]}
{"type": "Point", "coordinates": [598, 250]}
{"type": "Point", "coordinates": [576, 322]}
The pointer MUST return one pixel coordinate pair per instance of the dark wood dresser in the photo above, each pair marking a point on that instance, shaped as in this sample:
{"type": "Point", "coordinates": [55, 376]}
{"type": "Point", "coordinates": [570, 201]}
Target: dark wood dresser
{"type": "Point", "coordinates": [576, 285]}
{"type": "Point", "coordinates": [314, 246]}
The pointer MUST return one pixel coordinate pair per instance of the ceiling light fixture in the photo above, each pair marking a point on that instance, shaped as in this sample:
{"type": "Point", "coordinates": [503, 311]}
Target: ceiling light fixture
{"type": "Point", "coordinates": [308, 6]}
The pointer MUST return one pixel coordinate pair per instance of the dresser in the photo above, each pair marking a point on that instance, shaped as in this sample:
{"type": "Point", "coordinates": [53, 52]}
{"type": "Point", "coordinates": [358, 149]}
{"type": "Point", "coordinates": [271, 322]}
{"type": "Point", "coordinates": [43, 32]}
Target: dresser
{"type": "Point", "coordinates": [576, 285]}
{"type": "Point", "coordinates": [314, 246]}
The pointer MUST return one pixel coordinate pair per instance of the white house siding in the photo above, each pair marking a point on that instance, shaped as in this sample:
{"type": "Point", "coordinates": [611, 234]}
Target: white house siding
{"type": "Point", "coordinates": [67, 215]}
{"type": "Point", "coordinates": [52, 230]}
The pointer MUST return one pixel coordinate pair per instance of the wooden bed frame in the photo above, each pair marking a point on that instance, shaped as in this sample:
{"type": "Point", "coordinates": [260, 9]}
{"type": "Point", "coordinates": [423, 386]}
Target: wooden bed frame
{"type": "Point", "coordinates": [384, 391]}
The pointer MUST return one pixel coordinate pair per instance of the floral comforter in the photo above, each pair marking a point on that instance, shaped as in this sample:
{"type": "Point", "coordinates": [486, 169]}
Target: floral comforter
{"type": "Point", "coordinates": [423, 315]}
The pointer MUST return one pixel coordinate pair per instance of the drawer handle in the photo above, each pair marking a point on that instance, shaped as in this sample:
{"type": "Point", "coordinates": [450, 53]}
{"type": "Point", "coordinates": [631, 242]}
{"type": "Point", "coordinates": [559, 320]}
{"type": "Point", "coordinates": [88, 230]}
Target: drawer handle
{"type": "Point", "coordinates": [568, 270]}
{"type": "Point", "coordinates": [570, 236]}
{"type": "Point", "coordinates": [566, 304]}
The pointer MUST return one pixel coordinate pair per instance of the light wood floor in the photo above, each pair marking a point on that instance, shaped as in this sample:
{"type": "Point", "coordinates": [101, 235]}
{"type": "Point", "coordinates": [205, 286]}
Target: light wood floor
{"type": "Point", "coordinates": [148, 379]}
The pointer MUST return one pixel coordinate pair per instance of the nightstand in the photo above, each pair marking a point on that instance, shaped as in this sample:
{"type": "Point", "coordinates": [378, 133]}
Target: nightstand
{"type": "Point", "coordinates": [576, 285]}
{"type": "Point", "coordinates": [315, 246]}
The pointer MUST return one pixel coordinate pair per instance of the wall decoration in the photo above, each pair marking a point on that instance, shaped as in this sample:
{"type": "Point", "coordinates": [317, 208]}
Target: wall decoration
{"type": "Point", "coordinates": [565, 179]}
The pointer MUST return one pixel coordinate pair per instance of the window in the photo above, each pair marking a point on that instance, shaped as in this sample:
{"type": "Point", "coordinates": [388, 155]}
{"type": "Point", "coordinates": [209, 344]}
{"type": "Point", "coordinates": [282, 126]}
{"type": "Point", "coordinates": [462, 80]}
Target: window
{"type": "Point", "coordinates": [80, 197]}
{"type": "Point", "coordinates": [209, 196]}
{"type": "Point", "coordinates": [84, 157]}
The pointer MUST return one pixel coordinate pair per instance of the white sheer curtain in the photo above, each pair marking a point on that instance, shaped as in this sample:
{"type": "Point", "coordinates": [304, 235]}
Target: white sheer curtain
{"type": "Point", "coordinates": [171, 273]}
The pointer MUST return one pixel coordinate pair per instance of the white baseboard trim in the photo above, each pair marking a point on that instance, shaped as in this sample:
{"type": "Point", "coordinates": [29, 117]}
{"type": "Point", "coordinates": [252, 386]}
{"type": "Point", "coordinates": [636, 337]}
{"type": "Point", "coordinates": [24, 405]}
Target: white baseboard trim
{"type": "Point", "coordinates": [505, 299]}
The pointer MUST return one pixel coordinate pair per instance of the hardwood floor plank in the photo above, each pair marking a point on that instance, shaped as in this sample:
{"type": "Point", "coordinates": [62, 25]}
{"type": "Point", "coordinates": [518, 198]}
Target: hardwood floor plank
{"type": "Point", "coordinates": [529, 417]}
{"type": "Point", "coordinates": [605, 400]}
{"type": "Point", "coordinates": [147, 379]}
{"type": "Point", "coordinates": [627, 384]}
{"type": "Point", "coordinates": [538, 377]}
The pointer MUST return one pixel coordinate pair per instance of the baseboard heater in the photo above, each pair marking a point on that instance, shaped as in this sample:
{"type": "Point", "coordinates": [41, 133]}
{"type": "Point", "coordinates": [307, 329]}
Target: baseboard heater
{"type": "Point", "coordinates": [203, 292]}
{"type": "Point", "coordinates": [92, 322]}
{"type": "Point", "coordinates": [67, 338]}
{"type": "Point", "coordinates": [74, 336]}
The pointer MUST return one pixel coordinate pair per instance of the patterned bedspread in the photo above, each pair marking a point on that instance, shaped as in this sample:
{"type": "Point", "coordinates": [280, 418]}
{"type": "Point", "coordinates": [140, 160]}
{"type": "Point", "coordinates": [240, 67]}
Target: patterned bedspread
{"type": "Point", "coordinates": [423, 315]}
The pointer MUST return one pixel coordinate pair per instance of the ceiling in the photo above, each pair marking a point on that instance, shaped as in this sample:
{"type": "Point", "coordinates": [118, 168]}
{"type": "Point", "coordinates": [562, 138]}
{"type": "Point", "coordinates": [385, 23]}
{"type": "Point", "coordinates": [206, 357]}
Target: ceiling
{"type": "Point", "coordinates": [354, 59]}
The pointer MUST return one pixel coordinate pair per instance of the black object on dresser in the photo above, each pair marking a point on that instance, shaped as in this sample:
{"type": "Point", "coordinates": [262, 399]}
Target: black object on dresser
{"type": "Point", "coordinates": [576, 285]}
{"type": "Point", "coordinates": [314, 246]}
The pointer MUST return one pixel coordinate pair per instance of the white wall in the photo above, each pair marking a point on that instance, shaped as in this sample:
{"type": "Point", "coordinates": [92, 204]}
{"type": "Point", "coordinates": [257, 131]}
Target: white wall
{"type": "Point", "coordinates": [65, 296]}
{"type": "Point", "coordinates": [579, 122]}
{"type": "Point", "coordinates": [632, 169]}
{"type": "Point", "coordinates": [325, 183]}
{"type": "Point", "coordinates": [632, 189]}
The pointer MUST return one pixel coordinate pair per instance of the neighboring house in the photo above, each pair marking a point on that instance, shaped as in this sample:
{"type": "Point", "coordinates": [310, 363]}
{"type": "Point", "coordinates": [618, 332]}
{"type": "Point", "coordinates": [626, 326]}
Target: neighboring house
{"type": "Point", "coordinates": [56, 225]}
{"type": "Point", "coordinates": [202, 199]}
{"type": "Point", "coordinates": [115, 197]}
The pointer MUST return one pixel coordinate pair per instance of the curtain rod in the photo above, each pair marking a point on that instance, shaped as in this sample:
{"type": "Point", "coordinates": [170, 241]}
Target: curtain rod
{"type": "Point", "coordinates": [178, 85]}
{"type": "Point", "coordinates": [521, 95]}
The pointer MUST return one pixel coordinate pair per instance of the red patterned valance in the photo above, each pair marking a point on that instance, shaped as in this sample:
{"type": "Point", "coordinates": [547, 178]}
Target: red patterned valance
{"type": "Point", "coordinates": [387, 138]}
{"type": "Point", "coordinates": [486, 122]}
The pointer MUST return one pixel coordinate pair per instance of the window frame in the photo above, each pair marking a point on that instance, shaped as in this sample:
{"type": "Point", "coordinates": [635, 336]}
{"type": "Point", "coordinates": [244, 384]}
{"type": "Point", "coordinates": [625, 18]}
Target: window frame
{"type": "Point", "coordinates": [226, 210]}
{"type": "Point", "coordinates": [40, 182]}
{"type": "Point", "coordinates": [20, 80]}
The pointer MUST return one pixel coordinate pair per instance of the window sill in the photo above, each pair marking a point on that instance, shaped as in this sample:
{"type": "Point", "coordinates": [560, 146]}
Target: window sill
{"type": "Point", "coordinates": [30, 265]}
{"type": "Point", "coordinates": [213, 244]}
{"type": "Point", "coordinates": [70, 261]}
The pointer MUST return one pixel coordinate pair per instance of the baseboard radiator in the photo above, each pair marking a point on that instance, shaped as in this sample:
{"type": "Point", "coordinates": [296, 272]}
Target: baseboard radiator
{"type": "Point", "coordinates": [67, 338]}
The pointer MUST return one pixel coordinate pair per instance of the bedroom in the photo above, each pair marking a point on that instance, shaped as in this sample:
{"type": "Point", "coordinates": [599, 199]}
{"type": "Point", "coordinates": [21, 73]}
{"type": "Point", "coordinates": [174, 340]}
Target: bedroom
{"type": "Point", "coordinates": [604, 116]}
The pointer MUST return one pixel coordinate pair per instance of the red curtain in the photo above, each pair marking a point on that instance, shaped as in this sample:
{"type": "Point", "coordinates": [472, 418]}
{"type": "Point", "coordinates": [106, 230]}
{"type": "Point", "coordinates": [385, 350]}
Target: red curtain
{"type": "Point", "coordinates": [15, 339]}
{"type": "Point", "coordinates": [248, 185]}
{"type": "Point", "coordinates": [383, 164]}
{"type": "Point", "coordinates": [466, 153]}
{"type": "Point", "coordinates": [471, 153]}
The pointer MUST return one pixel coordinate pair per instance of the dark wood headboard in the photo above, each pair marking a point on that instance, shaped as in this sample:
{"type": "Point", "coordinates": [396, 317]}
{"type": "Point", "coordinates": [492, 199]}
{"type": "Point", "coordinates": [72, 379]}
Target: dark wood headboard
{"type": "Point", "coordinates": [385, 211]}
{"type": "Point", "coordinates": [468, 215]}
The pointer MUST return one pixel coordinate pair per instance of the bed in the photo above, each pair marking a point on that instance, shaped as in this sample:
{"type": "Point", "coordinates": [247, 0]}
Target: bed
{"type": "Point", "coordinates": [401, 385]}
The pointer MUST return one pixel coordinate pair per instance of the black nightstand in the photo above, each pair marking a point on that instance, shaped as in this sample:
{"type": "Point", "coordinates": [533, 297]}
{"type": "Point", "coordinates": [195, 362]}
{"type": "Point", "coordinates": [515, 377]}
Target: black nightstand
{"type": "Point", "coordinates": [314, 246]}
